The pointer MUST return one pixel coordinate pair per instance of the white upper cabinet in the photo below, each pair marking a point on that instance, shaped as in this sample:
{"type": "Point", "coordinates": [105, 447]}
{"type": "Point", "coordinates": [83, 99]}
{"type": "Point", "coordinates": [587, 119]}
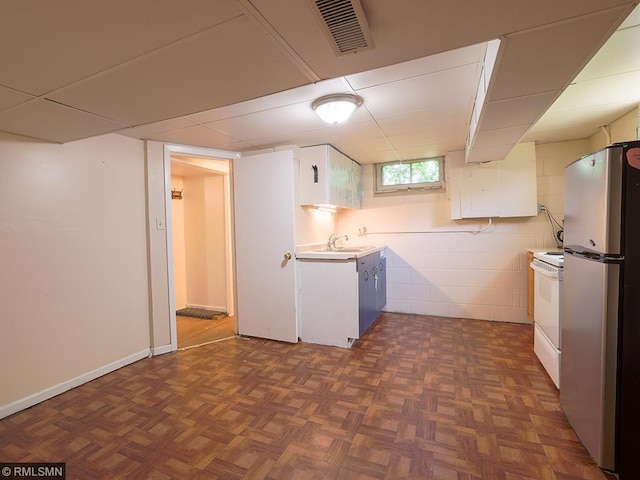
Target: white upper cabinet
{"type": "Point", "coordinates": [505, 188]}
{"type": "Point", "coordinates": [328, 177]}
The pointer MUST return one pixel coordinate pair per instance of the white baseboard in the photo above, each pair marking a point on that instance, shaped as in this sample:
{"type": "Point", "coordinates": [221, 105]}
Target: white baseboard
{"type": "Point", "coordinates": [31, 400]}
{"type": "Point", "coordinates": [161, 350]}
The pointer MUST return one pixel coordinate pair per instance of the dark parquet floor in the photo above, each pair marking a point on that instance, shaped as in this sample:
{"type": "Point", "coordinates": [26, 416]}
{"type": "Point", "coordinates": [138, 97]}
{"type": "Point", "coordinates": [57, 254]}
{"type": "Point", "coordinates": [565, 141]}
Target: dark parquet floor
{"type": "Point", "coordinates": [417, 398]}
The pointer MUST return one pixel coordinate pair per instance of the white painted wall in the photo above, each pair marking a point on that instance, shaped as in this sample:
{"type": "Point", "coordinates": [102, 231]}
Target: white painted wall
{"type": "Point", "coordinates": [158, 194]}
{"type": "Point", "coordinates": [179, 260]}
{"type": "Point", "coordinates": [74, 290]}
{"type": "Point", "coordinates": [625, 128]}
{"type": "Point", "coordinates": [204, 237]}
{"type": "Point", "coordinates": [199, 246]}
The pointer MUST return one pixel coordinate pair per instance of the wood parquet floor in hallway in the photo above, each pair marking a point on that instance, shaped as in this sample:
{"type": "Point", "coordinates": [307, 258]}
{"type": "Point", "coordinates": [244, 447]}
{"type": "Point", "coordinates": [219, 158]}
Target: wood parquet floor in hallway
{"type": "Point", "coordinates": [197, 331]}
{"type": "Point", "coordinates": [416, 398]}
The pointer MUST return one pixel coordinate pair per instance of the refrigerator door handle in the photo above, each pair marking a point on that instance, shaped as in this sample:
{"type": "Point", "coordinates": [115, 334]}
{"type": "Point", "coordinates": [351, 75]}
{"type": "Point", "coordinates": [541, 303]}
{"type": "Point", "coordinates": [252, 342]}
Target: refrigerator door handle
{"type": "Point", "coordinates": [595, 256]}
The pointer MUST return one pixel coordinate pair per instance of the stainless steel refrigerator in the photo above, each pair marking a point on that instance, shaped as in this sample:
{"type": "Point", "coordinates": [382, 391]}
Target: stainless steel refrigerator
{"type": "Point", "coordinates": [600, 366]}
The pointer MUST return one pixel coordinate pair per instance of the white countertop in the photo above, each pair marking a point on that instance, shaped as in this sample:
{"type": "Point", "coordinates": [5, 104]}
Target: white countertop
{"type": "Point", "coordinates": [351, 252]}
{"type": "Point", "coordinates": [543, 249]}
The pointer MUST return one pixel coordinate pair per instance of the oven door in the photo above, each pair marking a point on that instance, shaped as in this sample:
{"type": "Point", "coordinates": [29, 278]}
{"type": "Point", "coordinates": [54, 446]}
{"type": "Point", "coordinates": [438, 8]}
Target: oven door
{"type": "Point", "coordinates": [547, 301]}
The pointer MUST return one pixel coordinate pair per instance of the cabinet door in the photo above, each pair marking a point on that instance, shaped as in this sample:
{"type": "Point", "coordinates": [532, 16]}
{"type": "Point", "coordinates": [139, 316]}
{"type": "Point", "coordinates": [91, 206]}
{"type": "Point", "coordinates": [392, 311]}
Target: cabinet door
{"type": "Point", "coordinates": [328, 293]}
{"type": "Point", "coordinates": [381, 284]}
{"type": "Point", "coordinates": [530, 287]}
{"type": "Point", "coordinates": [366, 292]}
{"type": "Point", "coordinates": [518, 192]}
{"type": "Point", "coordinates": [340, 175]}
{"type": "Point", "coordinates": [505, 188]}
{"type": "Point", "coordinates": [313, 175]}
{"type": "Point", "coordinates": [356, 185]}
{"type": "Point", "coordinates": [363, 279]}
{"type": "Point", "coordinates": [479, 185]}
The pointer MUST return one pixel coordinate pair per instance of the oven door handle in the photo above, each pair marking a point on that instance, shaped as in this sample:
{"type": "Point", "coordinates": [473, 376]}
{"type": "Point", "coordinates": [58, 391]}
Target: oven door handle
{"type": "Point", "coordinates": [536, 268]}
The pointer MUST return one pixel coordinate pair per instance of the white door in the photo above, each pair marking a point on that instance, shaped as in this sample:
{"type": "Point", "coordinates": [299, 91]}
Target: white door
{"type": "Point", "coordinates": [264, 203]}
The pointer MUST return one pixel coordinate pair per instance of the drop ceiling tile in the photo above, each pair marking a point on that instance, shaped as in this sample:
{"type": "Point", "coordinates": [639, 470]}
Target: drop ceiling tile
{"type": "Point", "coordinates": [306, 93]}
{"type": "Point", "coordinates": [438, 149]}
{"type": "Point", "coordinates": [565, 132]}
{"type": "Point", "coordinates": [548, 59]}
{"type": "Point", "coordinates": [189, 77]}
{"type": "Point", "coordinates": [632, 20]}
{"type": "Point", "coordinates": [290, 118]}
{"type": "Point", "coordinates": [45, 45]}
{"type": "Point", "coordinates": [489, 153]}
{"type": "Point", "coordinates": [54, 122]}
{"type": "Point", "coordinates": [428, 137]}
{"type": "Point", "coordinates": [146, 131]}
{"type": "Point", "coordinates": [363, 137]}
{"type": "Point", "coordinates": [501, 136]}
{"type": "Point", "coordinates": [516, 111]}
{"type": "Point", "coordinates": [357, 135]}
{"type": "Point", "coordinates": [615, 57]}
{"type": "Point", "coordinates": [200, 136]}
{"type": "Point", "coordinates": [451, 87]}
{"type": "Point", "coordinates": [622, 89]}
{"type": "Point", "coordinates": [10, 97]}
{"type": "Point", "coordinates": [421, 66]}
{"type": "Point", "coordinates": [573, 124]}
{"type": "Point", "coordinates": [454, 117]}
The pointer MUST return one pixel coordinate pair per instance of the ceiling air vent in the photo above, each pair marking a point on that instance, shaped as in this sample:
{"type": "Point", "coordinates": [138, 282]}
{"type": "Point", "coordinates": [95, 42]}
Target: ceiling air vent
{"type": "Point", "coordinates": [344, 24]}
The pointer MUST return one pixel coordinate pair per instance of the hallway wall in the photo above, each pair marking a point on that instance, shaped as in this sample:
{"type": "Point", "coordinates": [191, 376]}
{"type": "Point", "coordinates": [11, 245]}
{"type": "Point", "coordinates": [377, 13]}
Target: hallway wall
{"type": "Point", "coordinates": [199, 242]}
{"type": "Point", "coordinates": [179, 261]}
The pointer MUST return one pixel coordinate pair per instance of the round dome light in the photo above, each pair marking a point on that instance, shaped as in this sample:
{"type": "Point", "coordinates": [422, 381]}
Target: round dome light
{"type": "Point", "coordinates": [336, 108]}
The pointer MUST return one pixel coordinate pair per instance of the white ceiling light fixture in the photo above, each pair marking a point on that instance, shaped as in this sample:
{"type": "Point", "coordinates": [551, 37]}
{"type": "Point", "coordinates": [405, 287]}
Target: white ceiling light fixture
{"type": "Point", "coordinates": [336, 108]}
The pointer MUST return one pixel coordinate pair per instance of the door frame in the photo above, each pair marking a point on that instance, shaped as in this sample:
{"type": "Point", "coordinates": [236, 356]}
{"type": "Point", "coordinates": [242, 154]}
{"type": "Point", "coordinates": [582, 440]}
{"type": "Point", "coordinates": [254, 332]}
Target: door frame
{"type": "Point", "coordinates": [204, 153]}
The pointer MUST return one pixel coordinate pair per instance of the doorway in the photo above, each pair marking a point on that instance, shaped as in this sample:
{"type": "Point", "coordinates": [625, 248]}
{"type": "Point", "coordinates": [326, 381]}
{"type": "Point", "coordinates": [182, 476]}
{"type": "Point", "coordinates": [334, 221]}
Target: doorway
{"type": "Point", "coordinates": [201, 250]}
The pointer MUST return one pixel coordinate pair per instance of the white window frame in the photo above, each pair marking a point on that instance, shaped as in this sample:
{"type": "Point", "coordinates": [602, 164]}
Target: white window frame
{"type": "Point", "coordinates": [407, 187]}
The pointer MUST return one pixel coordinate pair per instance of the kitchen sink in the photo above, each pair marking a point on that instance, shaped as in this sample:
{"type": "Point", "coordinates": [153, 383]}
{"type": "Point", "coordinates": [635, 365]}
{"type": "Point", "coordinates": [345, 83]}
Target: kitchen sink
{"type": "Point", "coordinates": [338, 253]}
{"type": "Point", "coordinates": [361, 248]}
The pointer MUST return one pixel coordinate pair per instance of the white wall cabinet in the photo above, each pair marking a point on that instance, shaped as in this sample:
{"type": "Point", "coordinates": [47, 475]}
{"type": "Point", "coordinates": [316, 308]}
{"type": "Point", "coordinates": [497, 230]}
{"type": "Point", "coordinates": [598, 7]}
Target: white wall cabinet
{"type": "Point", "coordinates": [328, 177]}
{"type": "Point", "coordinates": [506, 188]}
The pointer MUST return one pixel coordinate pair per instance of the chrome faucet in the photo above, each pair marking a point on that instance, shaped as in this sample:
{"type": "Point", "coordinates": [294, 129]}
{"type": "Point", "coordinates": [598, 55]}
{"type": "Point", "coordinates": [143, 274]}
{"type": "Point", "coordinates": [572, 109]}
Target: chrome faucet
{"type": "Point", "coordinates": [331, 243]}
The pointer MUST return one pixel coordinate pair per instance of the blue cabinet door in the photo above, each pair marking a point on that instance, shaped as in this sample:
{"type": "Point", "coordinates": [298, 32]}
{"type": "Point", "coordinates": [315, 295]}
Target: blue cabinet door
{"type": "Point", "coordinates": [381, 290]}
{"type": "Point", "coordinates": [366, 292]}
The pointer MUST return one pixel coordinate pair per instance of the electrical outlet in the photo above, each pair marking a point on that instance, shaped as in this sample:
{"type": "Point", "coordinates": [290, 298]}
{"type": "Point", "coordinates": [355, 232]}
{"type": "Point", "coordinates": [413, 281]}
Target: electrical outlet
{"type": "Point", "coordinates": [362, 230]}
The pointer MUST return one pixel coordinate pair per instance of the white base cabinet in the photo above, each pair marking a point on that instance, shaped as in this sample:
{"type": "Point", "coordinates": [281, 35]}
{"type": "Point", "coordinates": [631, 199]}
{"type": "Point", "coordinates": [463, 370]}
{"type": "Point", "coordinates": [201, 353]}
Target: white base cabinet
{"type": "Point", "coordinates": [328, 302]}
{"type": "Point", "coordinates": [340, 299]}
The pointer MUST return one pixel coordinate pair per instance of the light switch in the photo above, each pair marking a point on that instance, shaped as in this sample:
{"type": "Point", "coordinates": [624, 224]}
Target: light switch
{"type": "Point", "coordinates": [159, 223]}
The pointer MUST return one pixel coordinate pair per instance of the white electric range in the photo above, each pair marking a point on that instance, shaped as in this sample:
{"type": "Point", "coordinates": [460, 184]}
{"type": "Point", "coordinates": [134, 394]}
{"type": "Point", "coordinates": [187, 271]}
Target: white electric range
{"type": "Point", "coordinates": [547, 311]}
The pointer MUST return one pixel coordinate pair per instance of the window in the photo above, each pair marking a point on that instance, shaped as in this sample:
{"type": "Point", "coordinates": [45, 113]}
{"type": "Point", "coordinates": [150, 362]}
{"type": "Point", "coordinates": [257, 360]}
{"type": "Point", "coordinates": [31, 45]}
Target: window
{"type": "Point", "coordinates": [409, 175]}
